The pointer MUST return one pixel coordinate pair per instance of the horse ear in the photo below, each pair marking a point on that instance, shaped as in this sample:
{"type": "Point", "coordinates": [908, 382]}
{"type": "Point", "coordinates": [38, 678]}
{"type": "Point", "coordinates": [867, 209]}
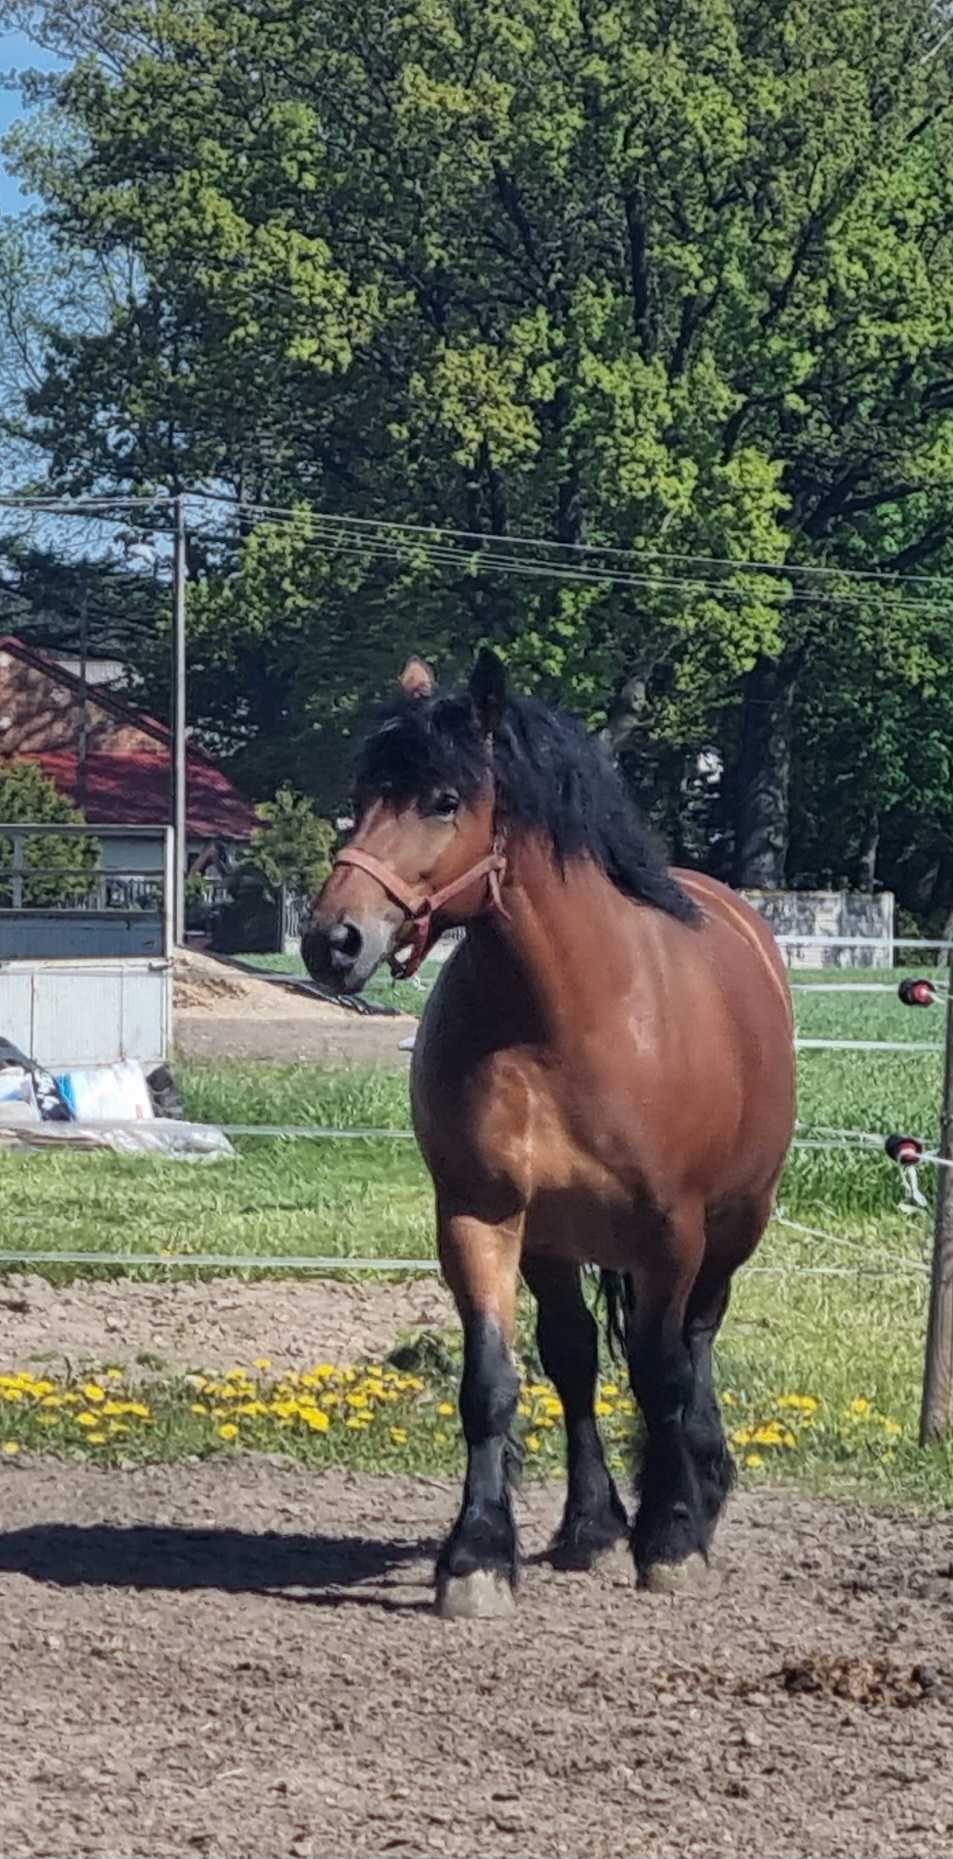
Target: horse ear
{"type": "Point", "coordinates": [488, 690]}
{"type": "Point", "coordinates": [417, 679]}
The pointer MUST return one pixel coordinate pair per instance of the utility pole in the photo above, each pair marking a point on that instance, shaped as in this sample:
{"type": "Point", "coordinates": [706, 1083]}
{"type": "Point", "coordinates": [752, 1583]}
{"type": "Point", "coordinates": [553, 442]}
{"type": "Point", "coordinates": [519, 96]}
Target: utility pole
{"type": "Point", "coordinates": [936, 1415]}
{"type": "Point", "coordinates": [178, 765]}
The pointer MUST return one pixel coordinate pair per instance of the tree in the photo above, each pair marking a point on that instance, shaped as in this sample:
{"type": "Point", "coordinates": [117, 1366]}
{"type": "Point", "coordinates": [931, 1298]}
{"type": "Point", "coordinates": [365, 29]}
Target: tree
{"type": "Point", "coordinates": [294, 846]}
{"type": "Point", "coordinates": [675, 277]}
{"type": "Point", "coordinates": [27, 794]}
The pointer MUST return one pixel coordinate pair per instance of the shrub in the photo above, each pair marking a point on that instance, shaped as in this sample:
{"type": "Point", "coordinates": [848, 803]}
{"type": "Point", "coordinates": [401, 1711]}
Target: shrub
{"type": "Point", "coordinates": [26, 793]}
{"type": "Point", "coordinates": [294, 845]}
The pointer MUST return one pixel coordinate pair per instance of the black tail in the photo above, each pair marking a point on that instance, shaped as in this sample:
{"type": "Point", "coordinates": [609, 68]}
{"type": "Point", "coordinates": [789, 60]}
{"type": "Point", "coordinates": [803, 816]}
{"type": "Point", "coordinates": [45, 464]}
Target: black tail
{"type": "Point", "coordinates": [617, 1296]}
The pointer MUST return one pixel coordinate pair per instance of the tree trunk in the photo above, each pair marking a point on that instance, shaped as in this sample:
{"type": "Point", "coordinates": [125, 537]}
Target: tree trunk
{"type": "Point", "coordinates": [763, 777]}
{"type": "Point", "coordinates": [869, 847]}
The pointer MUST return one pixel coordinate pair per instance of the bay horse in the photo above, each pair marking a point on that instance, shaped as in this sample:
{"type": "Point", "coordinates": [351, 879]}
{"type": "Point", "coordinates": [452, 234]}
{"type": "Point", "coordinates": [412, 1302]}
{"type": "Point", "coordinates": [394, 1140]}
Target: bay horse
{"type": "Point", "coordinates": [603, 1076]}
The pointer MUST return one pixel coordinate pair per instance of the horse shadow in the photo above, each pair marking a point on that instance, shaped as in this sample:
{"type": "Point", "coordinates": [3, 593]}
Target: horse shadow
{"type": "Point", "coordinates": [314, 1570]}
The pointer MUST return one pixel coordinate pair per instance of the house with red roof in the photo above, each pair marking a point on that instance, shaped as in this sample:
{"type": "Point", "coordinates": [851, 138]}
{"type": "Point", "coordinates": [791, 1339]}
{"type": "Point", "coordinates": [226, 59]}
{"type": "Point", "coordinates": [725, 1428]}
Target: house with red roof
{"type": "Point", "coordinates": [109, 758]}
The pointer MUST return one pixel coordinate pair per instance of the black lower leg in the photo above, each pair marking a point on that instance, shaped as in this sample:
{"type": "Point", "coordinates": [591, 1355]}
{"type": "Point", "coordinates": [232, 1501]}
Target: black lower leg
{"type": "Point", "coordinates": [704, 1428]}
{"type": "Point", "coordinates": [670, 1524]}
{"type": "Point", "coordinates": [484, 1535]}
{"type": "Point", "coordinates": [594, 1517]}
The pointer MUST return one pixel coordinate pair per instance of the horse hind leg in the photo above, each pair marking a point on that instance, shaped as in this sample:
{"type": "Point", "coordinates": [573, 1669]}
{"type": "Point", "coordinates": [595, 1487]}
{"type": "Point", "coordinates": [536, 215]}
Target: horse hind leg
{"type": "Point", "coordinates": [594, 1520]}
{"type": "Point", "coordinates": [731, 1237]}
{"type": "Point", "coordinates": [671, 1532]}
{"type": "Point", "coordinates": [704, 1426]}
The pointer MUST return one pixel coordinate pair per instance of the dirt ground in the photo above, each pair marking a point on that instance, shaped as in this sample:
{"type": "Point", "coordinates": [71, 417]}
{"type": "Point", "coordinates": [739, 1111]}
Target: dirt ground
{"type": "Point", "coordinates": [221, 1013]}
{"type": "Point", "coordinates": [217, 1324]}
{"type": "Point", "coordinates": [241, 1659]}
{"type": "Point", "coordinates": [341, 1041]}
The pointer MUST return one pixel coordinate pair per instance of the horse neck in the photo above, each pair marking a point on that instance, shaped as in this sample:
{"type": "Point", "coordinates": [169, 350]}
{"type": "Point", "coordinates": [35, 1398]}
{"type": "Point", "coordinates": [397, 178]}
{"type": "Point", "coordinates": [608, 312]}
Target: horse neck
{"type": "Point", "coordinates": [552, 945]}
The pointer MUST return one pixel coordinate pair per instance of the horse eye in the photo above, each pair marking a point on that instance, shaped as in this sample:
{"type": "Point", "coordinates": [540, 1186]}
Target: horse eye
{"type": "Point", "coordinates": [444, 804]}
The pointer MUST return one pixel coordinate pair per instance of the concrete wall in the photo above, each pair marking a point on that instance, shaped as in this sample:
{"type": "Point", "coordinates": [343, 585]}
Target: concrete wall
{"type": "Point", "coordinates": [89, 1012]}
{"type": "Point", "coordinates": [810, 916]}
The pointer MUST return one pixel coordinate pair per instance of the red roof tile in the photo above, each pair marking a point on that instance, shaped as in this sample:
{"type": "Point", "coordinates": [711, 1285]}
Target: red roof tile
{"type": "Point", "coordinates": [132, 789]}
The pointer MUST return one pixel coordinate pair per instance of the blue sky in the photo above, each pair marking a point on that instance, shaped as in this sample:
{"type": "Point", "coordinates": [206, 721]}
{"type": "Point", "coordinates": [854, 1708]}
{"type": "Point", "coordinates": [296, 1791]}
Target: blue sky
{"type": "Point", "coordinates": [17, 53]}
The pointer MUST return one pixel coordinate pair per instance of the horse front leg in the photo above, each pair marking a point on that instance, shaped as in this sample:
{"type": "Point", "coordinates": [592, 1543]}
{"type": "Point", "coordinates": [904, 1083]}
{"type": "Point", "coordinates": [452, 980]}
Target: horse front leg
{"type": "Point", "coordinates": [478, 1566]}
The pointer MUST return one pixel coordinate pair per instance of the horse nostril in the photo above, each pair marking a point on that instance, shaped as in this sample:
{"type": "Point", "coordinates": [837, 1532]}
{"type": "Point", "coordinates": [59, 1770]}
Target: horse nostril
{"type": "Point", "coordinates": [345, 941]}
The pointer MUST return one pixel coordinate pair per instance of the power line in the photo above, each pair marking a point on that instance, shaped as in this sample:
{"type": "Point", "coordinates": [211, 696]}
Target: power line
{"type": "Point", "coordinates": [441, 548]}
{"type": "Point", "coordinates": [482, 538]}
{"type": "Point", "coordinates": [324, 537]}
{"type": "Point", "coordinates": [80, 506]}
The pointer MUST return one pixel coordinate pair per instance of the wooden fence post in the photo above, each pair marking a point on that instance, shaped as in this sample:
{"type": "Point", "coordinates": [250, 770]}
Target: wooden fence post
{"type": "Point", "coordinates": [936, 1413]}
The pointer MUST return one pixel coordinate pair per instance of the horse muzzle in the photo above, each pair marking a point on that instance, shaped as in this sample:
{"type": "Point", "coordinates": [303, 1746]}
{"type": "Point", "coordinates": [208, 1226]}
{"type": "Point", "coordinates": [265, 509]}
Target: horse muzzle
{"type": "Point", "coordinates": [343, 955]}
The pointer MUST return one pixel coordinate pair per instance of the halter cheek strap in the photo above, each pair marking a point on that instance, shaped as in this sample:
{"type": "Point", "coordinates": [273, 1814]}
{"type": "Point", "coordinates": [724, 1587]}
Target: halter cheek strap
{"type": "Point", "coordinates": [420, 908]}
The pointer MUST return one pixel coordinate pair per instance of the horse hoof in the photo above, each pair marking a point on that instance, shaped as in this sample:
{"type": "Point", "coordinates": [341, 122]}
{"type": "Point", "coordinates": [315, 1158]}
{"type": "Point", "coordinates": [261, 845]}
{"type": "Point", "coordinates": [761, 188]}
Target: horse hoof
{"type": "Point", "coordinates": [484, 1595]}
{"type": "Point", "coordinates": [693, 1577]}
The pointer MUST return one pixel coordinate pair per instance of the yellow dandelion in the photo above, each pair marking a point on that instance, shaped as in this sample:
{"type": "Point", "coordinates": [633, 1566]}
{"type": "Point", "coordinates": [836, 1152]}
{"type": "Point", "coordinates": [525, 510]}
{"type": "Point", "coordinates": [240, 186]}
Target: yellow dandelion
{"type": "Point", "coordinates": [263, 1363]}
{"type": "Point", "coordinates": [92, 1391]}
{"type": "Point", "coordinates": [729, 1399]}
{"type": "Point", "coordinates": [317, 1421]}
{"type": "Point", "coordinates": [801, 1403]}
{"type": "Point", "coordinates": [892, 1428]}
{"type": "Point", "coordinates": [859, 1408]}
{"type": "Point", "coordinates": [356, 1400]}
{"type": "Point", "coordinates": [234, 1374]}
{"type": "Point", "coordinates": [118, 1428]}
{"type": "Point", "coordinates": [10, 1393]}
{"type": "Point", "coordinates": [95, 1439]}
{"type": "Point", "coordinates": [532, 1442]}
{"type": "Point", "coordinates": [228, 1431]}
{"type": "Point", "coordinates": [441, 1438]}
{"type": "Point", "coordinates": [399, 1436]}
{"type": "Point", "coordinates": [197, 1408]}
{"type": "Point", "coordinates": [609, 1387]}
{"type": "Point", "coordinates": [87, 1420]}
{"type": "Point", "coordinates": [445, 1409]}
{"type": "Point", "coordinates": [9, 1447]}
{"type": "Point", "coordinates": [52, 1400]}
{"type": "Point", "coordinates": [753, 1459]}
{"type": "Point", "coordinates": [603, 1408]}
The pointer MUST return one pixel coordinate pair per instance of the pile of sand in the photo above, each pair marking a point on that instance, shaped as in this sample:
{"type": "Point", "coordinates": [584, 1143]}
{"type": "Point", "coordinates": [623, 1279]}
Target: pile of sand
{"type": "Point", "coordinates": [204, 988]}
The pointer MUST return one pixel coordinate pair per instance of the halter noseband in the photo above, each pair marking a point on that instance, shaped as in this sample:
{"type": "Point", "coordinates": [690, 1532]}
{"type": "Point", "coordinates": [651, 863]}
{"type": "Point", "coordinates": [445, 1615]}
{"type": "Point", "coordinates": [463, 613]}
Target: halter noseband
{"type": "Point", "coordinates": [421, 908]}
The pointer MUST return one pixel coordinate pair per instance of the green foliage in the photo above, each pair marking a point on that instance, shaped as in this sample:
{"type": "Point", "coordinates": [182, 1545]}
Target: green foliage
{"type": "Point", "coordinates": [27, 794]}
{"type": "Point", "coordinates": [656, 278]}
{"type": "Point", "coordinates": [294, 846]}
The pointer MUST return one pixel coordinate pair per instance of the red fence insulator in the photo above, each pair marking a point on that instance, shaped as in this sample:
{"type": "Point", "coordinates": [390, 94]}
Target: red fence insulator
{"type": "Point", "coordinates": [918, 993]}
{"type": "Point", "coordinates": [906, 1150]}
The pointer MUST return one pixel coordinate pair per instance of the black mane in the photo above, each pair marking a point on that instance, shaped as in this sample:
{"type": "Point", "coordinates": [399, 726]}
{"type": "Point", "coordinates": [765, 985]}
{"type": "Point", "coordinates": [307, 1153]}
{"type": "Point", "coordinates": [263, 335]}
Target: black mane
{"type": "Point", "coordinates": [552, 779]}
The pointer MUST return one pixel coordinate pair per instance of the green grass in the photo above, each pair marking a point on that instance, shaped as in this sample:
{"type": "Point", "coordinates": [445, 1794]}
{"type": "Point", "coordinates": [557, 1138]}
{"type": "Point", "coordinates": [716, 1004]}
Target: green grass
{"type": "Point", "coordinates": [838, 1340]}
